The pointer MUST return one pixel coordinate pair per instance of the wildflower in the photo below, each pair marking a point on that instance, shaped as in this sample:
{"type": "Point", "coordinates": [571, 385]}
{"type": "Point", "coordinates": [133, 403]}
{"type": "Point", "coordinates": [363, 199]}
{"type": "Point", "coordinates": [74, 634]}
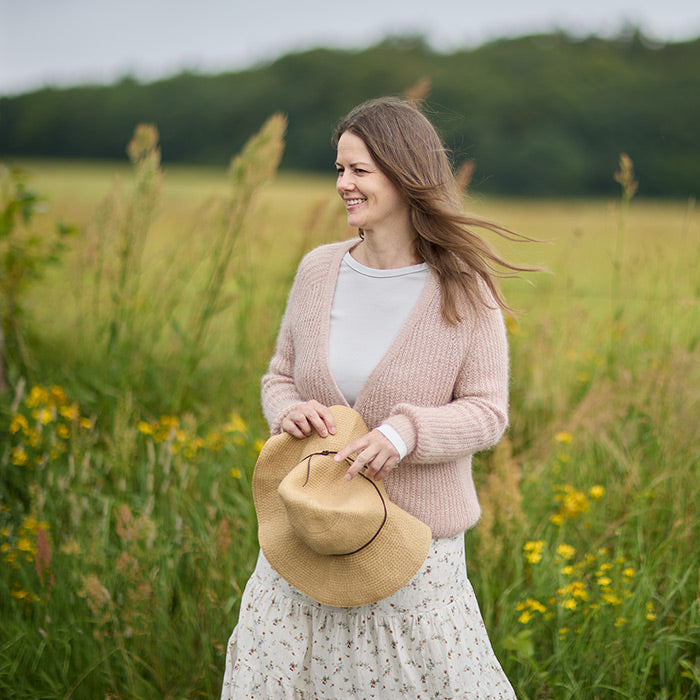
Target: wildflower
{"type": "Point", "coordinates": [564, 437]}
{"type": "Point", "coordinates": [567, 570]}
{"type": "Point", "coordinates": [565, 551]}
{"type": "Point", "coordinates": [146, 428]}
{"type": "Point", "coordinates": [533, 551]}
{"type": "Point", "coordinates": [536, 605]}
{"type": "Point", "coordinates": [18, 422]}
{"type": "Point", "coordinates": [69, 413]}
{"type": "Point", "coordinates": [650, 612]}
{"type": "Point", "coordinates": [169, 422]}
{"type": "Point", "coordinates": [63, 432]}
{"type": "Point", "coordinates": [235, 473]}
{"type": "Point", "coordinates": [569, 604]}
{"type": "Point", "coordinates": [563, 631]}
{"type": "Point", "coordinates": [628, 572]}
{"type": "Point", "coordinates": [611, 599]}
{"type": "Point", "coordinates": [85, 423]}
{"type": "Point", "coordinates": [525, 617]}
{"type": "Point", "coordinates": [19, 456]}
{"type": "Point", "coordinates": [235, 424]}
{"type": "Point", "coordinates": [37, 396]}
{"type": "Point", "coordinates": [604, 581]}
{"type": "Point", "coordinates": [596, 492]}
{"type": "Point", "coordinates": [24, 545]}
{"type": "Point", "coordinates": [573, 503]}
{"type": "Point", "coordinates": [258, 445]}
{"type": "Point", "coordinates": [556, 519]}
{"type": "Point", "coordinates": [620, 621]}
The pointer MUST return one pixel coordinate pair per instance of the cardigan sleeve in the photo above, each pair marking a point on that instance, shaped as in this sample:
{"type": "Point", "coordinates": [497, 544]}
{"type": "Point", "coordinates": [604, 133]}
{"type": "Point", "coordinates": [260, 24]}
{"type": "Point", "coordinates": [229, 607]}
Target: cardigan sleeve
{"type": "Point", "coordinates": [279, 392]}
{"type": "Point", "coordinates": [477, 416]}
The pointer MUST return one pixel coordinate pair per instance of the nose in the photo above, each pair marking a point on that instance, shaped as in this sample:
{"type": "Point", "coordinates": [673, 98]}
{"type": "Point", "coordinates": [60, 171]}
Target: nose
{"type": "Point", "coordinates": [345, 182]}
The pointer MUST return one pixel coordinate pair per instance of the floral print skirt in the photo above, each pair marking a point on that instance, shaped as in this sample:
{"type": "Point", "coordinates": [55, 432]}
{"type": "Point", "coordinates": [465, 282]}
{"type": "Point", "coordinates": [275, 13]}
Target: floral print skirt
{"type": "Point", "coordinates": [427, 640]}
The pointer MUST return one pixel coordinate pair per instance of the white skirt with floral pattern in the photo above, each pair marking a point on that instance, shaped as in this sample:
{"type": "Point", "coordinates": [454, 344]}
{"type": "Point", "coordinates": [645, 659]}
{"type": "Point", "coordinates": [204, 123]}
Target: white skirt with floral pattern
{"type": "Point", "coordinates": [427, 640]}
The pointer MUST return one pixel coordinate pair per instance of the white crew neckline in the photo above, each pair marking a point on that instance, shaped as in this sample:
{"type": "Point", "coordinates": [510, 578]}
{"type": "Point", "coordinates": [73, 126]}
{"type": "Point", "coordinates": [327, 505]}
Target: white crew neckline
{"type": "Point", "coordinates": [377, 272]}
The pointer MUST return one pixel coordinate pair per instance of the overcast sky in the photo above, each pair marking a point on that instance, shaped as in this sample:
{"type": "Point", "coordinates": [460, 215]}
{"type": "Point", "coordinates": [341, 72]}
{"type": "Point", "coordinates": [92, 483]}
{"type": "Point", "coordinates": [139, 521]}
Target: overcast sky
{"type": "Point", "coordinates": [64, 42]}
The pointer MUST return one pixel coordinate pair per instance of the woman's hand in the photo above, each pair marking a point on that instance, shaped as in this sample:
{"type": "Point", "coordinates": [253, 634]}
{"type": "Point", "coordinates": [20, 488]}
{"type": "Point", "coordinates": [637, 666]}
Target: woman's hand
{"type": "Point", "coordinates": [374, 451]}
{"type": "Point", "coordinates": [306, 417]}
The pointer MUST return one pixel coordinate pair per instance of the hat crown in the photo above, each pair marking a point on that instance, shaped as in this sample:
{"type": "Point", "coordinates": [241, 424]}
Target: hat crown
{"type": "Point", "coordinates": [329, 514]}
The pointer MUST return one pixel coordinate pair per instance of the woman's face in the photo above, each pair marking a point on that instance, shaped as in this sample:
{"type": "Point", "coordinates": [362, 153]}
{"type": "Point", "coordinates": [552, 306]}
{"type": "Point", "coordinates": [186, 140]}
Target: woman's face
{"type": "Point", "coordinates": [372, 201]}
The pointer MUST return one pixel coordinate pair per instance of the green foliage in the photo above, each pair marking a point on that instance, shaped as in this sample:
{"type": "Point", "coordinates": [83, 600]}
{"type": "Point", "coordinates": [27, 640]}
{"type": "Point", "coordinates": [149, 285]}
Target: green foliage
{"type": "Point", "coordinates": [540, 115]}
{"type": "Point", "coordinates": [127, 531]}
{"type": "Point", "coordinates": [136, 318]}
{"type": "Point", "coordinates": [24, 254]}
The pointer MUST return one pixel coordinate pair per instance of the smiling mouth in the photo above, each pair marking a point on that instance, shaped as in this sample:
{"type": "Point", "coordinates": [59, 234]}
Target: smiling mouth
{"type": "Point", "coordinates": [353, 202]}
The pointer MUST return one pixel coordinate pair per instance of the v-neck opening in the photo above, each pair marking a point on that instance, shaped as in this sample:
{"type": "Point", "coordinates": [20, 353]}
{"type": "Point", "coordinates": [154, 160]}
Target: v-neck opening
{"type": "Point", "coordinates": [423, 301]}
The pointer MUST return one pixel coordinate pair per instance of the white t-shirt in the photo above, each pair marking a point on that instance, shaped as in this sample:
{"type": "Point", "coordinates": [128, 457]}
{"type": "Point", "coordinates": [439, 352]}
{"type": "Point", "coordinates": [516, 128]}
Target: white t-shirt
{"type": "Point", "coordinates": [369, 308]}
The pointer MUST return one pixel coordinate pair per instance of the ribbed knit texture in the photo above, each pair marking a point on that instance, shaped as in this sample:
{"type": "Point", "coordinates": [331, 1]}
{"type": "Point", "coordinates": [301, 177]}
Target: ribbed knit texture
{"type": "Point", "coordinates": [442, 387]}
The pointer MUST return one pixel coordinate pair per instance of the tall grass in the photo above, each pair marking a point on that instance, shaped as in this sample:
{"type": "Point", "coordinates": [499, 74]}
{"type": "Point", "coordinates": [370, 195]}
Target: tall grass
{"type": "Point", "coordinates": [127, 528]}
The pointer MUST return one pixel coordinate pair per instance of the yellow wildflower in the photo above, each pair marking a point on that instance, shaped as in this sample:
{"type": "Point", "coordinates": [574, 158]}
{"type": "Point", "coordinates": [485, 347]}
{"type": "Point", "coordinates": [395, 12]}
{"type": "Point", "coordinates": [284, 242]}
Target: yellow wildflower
{"type": "Point", "coordinates": [604, 581]}
{"type": "Point", "coordinates": [556, 519]}
{"type": "Point", "coordinates": [533, 551]}
{"type": "Point", "coordinates": [567, 570]}
{"type": "Point", "coordinates": [235, 473]}
{"type": "Point", "coordinates": [611, 598]}
{"type": "Point", "coordinates": [563, 631]}
{"type": "Point", "coordinates": [18, 422]}
{"type": "Point", "coordinates": [85, 423]}
{"type": "Point", "coordinates": [24, 544]}
{"type": "Point", "coordinates": [569, 604]}
{"type": "Point", "coordinates": [258, 445]}
{"type": "Point", "coordinates": [69, 413]}
{"type": "Point", "coordinates": [44, 416]}
{"type": "Point", "coordinates": [628, 572]}
{"type": "Point", "coordinates": [63, 432]}
{"type": "Point", "coordinates": [18, 456]}
{"type": "Point", "coordinates": [525, 617]}
{"type": "Point", "coordinates": [620, 621]}
{"type": "Point", "coordinates": [536, 605]}
{"type": "Point", "coordinates": [596, 492]}
{"type": "Point", "coordinates": [564, 437]}
{"type": "Point", "coordinates": [565, 551]}
{"type": "Point", "coordinates": [37, 396]}
{"type": "Point", "coordinates": [146, 428]}
{"type": "Point", "coordinates": [235, 424]}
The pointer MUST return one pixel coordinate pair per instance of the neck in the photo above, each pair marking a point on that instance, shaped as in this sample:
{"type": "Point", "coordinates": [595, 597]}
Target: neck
{"type": "Point", "coordinates": [385, 252]}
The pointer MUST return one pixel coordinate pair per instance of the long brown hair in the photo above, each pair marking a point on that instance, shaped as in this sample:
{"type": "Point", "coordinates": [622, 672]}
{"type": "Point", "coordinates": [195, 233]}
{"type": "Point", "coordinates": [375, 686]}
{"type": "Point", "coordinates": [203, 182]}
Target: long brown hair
{"type": "Point", "coordinates": [408, 150]}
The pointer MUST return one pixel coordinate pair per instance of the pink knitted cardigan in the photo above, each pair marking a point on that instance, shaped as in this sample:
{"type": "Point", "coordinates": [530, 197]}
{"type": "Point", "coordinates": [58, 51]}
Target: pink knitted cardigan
{"type": "Point", "coordinates": [443, 387]}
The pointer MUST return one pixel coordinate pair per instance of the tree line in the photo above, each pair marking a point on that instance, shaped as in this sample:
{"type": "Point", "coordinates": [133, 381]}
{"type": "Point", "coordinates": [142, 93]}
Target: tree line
{"type": "Point", "coordinates": [537, 115]}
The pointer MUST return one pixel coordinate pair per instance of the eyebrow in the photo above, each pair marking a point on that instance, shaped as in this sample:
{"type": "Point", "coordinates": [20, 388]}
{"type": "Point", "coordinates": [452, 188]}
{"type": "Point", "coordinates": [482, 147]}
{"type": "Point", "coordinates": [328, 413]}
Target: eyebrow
{"type": "Point", "coordinates": [359, 163]}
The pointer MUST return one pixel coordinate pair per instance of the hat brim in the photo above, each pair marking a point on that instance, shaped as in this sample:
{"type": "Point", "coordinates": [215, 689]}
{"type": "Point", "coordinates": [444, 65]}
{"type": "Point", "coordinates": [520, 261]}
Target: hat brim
{"type": "Point", "coordinates": [371, 574]}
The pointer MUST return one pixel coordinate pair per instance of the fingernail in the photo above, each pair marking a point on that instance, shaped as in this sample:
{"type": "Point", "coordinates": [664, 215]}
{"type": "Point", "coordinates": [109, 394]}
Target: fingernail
{"type": "Point", "coordinates": [332, 431]}
{"type": "Point", "coordinates": [348, 477]}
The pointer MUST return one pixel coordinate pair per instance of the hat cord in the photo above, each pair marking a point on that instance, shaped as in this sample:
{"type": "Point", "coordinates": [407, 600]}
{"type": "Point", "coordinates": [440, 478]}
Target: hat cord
{"type": "Point", "coordinates": [325, 453]}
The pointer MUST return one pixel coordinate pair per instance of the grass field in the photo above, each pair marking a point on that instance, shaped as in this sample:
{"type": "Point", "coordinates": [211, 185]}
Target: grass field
{"type": "Point", "coordinates": [129, 438]}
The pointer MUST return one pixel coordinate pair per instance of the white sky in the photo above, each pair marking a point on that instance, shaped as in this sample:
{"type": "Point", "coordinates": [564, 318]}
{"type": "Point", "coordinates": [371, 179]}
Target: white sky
{"type": "Point", "coordinates": [64, 42]}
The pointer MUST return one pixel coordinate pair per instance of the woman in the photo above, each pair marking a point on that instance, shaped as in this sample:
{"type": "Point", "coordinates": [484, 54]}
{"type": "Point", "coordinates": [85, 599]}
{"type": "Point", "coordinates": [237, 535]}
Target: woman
{"type": "Point", "coordinates": [404, 324]}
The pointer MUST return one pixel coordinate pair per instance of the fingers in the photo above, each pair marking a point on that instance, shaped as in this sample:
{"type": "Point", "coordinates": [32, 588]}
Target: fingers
{"type": "Point", "coordinates": [306, 417]}
{"type": "Point", "coordinates": [374, 451]}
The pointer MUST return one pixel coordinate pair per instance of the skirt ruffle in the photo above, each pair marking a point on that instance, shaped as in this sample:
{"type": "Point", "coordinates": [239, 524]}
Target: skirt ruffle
{"type": "Point", "coordinates": [427, 640]}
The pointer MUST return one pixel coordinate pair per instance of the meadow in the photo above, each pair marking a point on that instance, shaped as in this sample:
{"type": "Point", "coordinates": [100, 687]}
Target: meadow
{"type": "Point", "coordinates": [131, 426]}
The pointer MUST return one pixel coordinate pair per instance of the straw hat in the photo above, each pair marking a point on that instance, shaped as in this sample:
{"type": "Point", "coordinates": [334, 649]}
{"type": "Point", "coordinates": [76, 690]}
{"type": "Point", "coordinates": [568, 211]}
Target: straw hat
{"type": "Point", "coordinates": [342, 543]}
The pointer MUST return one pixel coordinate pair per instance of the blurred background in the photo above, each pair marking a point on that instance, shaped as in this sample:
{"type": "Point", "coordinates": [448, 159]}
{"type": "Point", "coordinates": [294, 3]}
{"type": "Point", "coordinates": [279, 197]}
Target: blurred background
{"type": "Point", "coordinates": [549, 89]}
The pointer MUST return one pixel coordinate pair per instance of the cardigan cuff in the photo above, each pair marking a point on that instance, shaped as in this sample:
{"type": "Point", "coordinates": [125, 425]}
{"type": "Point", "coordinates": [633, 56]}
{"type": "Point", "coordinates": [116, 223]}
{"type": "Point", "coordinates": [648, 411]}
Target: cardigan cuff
{"type": "Point", "coordinates": [404, 427]}
{"type": "Point", "coordinates": [394, 438]}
